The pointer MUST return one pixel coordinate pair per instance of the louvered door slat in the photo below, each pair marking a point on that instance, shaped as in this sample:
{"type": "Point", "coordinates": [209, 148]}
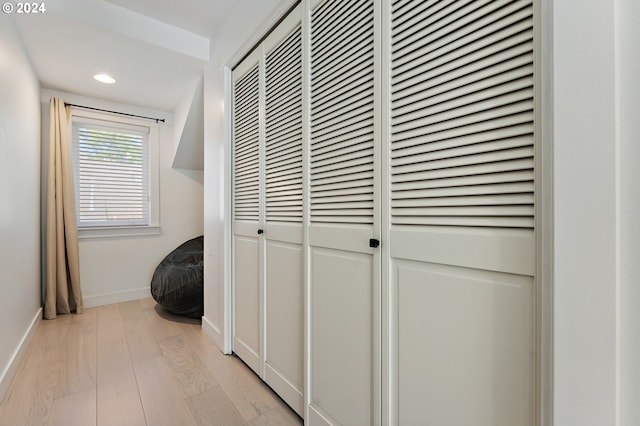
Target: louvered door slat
{"type": "Point", "coordinates": [246, 153]}
{"type": "Point", "coordinates": [284, 151]}
{"type": "Point", "coordinates": [342, 111]}
{"type": "Point", "coordinates": [509, 113]}
{"type": "Point", "coordinates": [330, 24]}
{"type": "Point", "coordinates": [339, 134]}
{"type": "Point", "coordinates": [442, 132]}
{"type": "Point", "coordinates": [283, 130]}
{"type": "Point", "coordinates": [285, 114]}
{"type": "Point", "coordinates": [419, 174]}
{"type": "Point", "coordinates": [281, 100]}
{"type": "Point", "coordinates": [285, 164]}
{"type": "Point", "coordinates": [462, 190]}
{"type": "Point", "coordinates": [462, 114]}
{"type": "Point", "coordinates": [404, 10]}
{"type": "Point", "coordinates": [287, 156]}
{"type": "Point", "coordinates": [492, 66]}
{"type": "Point", "coordinates": [417, 66]}
{"type": "Point", "coordinates": [327, 156]}
{"type": "Point", "coordinates": [492, 150]}
{"type": "Point", "coordinates": [284, 144]}
{"type": "Point", "coordinates": [472, 98]}
{"type": "Point", "coordinates": [346, 160]}
{"type": "Point", "coordinates": [450, 25]}
{"type": "Point", "coordinates": [434, 39]}
{"type": "Point", "coordinates": [477, 200]}
{"type": "Point", "coordinates": [478, 221]}
{"type": "Point", "coordinates": [444, 90]}
{"type": "Point", "coordinates": [356, 192]}
{"type": "Point", "coordinates": [522, 175]}
{"type": "Point", "coordinates": [346, 180]}
{"type": "Point", "coordinates": [358, 102]}
{"type": "Point", "coordinates": [358, 69]}
{"type": "Point", "coordinates": [330, 144]}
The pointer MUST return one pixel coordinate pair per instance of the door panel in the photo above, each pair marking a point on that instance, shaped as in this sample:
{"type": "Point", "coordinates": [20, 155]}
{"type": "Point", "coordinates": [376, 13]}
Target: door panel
{"type": "Point", "coordinates": [464, 340]}
{"type": "Point", "coordinates": [342, 340]}
{"type": "Point", "coordinates": [247, 309]}
{"type": "Point", "coordinates": [284, 368]}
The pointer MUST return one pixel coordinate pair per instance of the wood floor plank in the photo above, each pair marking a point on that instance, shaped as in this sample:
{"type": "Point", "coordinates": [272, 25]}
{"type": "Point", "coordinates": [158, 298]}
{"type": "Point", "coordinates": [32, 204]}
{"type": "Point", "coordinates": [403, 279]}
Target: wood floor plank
{"type": "Point", "coordinates": [124, 365]}
{"type": "Point", "coordinates": [147, 303]}
{"type": "Point", "coordinates": [48, 342]}
{"type": "Point", "coordinates": [109, 324]}
{"type": "Point", "coordinates": [214, 408]}
{"type": "Point", "coordinates": [79, 366]}
{"type": "Point", "coordinates": [78, 409]}
{"type": "Point", "coordinates": [248, 393]}
{"type": "Point", "coordinates": [118, 401]}
{"type": "Point", "coordinates": [30, 396]}
{"type": "Point", "coordinates": [48, 335]}
{"type": "Point", "coordinates": [162, 400]}
{"type": "Point", "coordinates": [279, 416]}
{"type": "Point", "coordinates": [160, 327]}
{"type": "Point", "coordinates": [140, 339]}
{"type": "Point", "coordinates": [188, 371]}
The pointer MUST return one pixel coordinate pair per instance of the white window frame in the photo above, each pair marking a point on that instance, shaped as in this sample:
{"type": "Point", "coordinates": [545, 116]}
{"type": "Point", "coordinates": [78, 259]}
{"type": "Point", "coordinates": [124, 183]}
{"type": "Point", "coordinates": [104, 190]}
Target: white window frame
{"type": "Point", "coordinates": [153, 228]}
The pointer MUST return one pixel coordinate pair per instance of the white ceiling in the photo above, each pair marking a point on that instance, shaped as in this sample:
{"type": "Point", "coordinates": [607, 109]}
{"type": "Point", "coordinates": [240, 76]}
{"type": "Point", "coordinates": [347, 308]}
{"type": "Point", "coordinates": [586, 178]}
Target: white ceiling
{"type": "Point", "coordinates": [155, 49]}
{"type": "Point", "coordinates": [198, 16]}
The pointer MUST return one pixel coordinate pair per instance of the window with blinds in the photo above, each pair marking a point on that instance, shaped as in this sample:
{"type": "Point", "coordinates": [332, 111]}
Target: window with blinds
{"type": "Point", "coordinates": [462, 113]}
{"type": "Point", "coordinates": [342, 127]}
{"type": "Point", "coordinates": [111, 173]}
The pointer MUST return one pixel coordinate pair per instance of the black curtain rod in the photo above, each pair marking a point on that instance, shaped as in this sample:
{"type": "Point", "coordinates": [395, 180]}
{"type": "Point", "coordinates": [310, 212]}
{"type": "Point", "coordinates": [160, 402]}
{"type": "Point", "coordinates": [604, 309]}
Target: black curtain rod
{"type": "Point", "coordinates": [115, 112]}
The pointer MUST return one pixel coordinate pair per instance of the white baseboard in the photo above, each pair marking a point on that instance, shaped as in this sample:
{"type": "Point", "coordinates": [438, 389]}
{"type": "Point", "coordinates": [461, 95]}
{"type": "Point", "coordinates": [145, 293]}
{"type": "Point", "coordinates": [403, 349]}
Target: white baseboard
{"type": "Point", "coordinates": [214, 334]}
{"type": "Point", "coordinates": [120, 296]}
{"type": "Point", "coordinates": [12, 367]}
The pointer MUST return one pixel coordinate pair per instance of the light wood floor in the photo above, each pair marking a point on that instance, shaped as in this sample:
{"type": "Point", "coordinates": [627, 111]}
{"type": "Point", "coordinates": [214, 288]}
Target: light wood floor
{"type": "Point", "coordinates": [133, 364]}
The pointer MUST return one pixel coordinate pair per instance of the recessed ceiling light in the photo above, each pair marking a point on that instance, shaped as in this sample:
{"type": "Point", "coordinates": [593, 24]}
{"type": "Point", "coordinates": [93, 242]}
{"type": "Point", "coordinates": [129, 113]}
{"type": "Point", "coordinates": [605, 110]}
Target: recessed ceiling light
{"type": "Point", "coordinates": [104, 78]}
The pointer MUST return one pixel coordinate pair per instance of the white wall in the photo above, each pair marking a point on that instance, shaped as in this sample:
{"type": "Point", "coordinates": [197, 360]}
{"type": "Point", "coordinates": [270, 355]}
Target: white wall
{"type": "Point", "coordinates": [20, 200]}
{"type": "Point", "coordinates": [188, 120]}
{"type": "Point", "coordinates": [246, 24]}
{"type": "Point", "coordinates": [117, 269]}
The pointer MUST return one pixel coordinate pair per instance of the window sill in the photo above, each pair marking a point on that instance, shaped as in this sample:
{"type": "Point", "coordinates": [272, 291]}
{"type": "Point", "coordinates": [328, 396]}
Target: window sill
{"type": "Point", "coordinates": [118, 232]}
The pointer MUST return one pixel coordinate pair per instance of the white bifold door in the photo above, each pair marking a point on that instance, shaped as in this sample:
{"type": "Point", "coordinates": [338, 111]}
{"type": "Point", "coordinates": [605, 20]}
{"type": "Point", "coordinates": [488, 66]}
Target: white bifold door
{"type": "Point", "coordinates": [248, 215]}
{"type": "Point", "coordinates": [268, 243]}
{"type": "Point", "coordinates": [345, 216]}
{"type": "Point", "coordinates": [461, 231]}
{"type": "Point", "coordinates": [384, 250]}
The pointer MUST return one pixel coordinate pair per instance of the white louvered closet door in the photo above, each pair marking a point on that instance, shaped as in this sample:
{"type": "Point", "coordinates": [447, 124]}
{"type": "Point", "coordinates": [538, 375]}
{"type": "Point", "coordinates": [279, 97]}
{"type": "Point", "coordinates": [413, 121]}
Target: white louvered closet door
{"type": "Point", "coordinates": [247, 217]}
{"type": "Point", "coordinates": [344, 210]}
{"type": "Point", "coordinates": [284, 236]}
{"type": "Point", "coordinates": [462, 213]}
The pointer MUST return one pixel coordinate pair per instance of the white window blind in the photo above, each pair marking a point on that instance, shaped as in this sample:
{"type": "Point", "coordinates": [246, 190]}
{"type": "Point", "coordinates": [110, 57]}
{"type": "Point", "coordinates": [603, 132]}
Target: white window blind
{"type": "Point", "coordinates": [111, 165]}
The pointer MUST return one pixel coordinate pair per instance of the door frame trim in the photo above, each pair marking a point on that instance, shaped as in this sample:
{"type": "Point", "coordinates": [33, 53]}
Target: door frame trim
{"type": "Point", "coordinates": [544, 228]}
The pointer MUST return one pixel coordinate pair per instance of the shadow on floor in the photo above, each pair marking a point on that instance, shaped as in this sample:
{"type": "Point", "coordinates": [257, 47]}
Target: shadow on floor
{"type": "Point", "coordinates": [175, 318]}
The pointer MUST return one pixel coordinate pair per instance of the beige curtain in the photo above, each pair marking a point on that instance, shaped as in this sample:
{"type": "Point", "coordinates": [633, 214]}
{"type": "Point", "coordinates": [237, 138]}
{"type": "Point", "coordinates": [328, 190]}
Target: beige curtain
{"type": "Point", "coordinates": [63, 293]}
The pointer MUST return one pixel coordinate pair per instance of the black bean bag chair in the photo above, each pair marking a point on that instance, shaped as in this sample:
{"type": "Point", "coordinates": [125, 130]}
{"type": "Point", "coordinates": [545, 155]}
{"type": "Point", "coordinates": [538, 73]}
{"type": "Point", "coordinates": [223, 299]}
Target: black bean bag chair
{"type": "Point", "coordinates": [177, 281]}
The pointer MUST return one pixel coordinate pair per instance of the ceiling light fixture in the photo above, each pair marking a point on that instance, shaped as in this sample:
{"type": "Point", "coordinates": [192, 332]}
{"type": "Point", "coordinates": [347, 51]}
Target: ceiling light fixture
{"type": "Point", "coordinates": [104, 78]}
